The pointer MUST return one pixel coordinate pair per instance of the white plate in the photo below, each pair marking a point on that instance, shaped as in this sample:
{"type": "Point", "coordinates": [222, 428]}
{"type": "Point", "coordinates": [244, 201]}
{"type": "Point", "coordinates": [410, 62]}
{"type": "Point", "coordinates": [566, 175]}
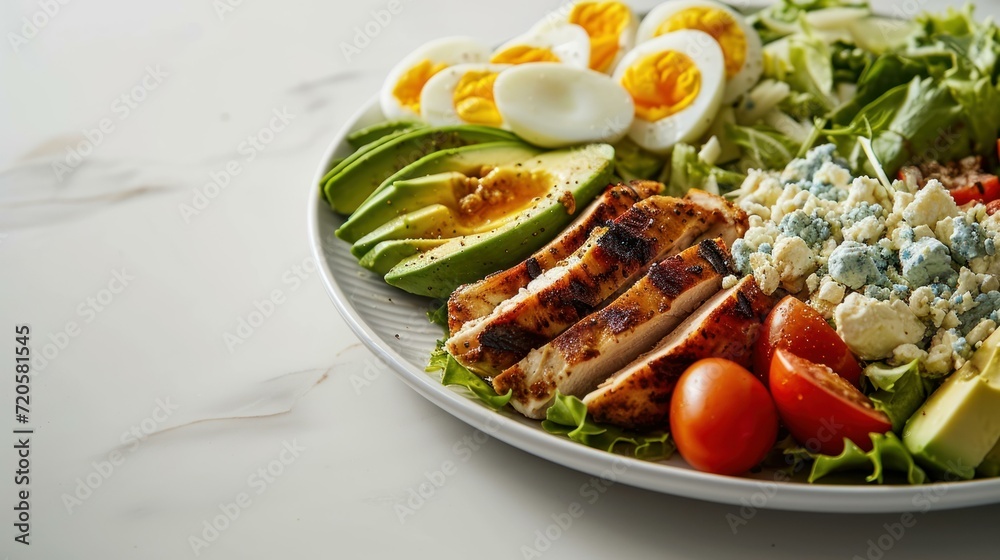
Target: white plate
{"type": "Point", "coordinates": [393, 324]}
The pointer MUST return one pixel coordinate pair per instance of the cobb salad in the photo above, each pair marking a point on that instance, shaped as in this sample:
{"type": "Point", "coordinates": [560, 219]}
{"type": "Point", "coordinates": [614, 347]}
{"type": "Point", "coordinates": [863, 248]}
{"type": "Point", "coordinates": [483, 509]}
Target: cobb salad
{"type": "Point", "coordinates": [758, 239]}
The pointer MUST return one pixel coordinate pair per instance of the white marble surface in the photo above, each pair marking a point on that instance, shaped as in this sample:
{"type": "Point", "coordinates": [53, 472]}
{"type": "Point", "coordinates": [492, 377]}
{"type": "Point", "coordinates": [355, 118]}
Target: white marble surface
{"type": "Point", "coordinates": [130, 298]}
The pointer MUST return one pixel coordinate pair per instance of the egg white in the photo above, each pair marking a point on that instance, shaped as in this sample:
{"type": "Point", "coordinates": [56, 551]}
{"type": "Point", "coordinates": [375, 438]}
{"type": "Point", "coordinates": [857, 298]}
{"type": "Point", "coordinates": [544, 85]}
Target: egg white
{"type": "Point", "coordinates": [753, 62]}
{"type": "Point", "coordinates": [437, 101]}
{"type": "Point", "coordinates": [447, 50]}
{"type": "Point", "coordinates": [691, 122]}
{"type": "Point", "coordinates": [570, 43]}
{"type": "Point", "coordinates": [555, 105]}
{"type": "Point", "coordinates": [626, 39]}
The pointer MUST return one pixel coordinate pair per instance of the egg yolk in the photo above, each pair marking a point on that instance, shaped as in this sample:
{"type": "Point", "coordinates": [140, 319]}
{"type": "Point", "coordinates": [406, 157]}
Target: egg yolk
{"type": "Point", "coordinates": [717, 23]}
{"type": "Point", "coordinates": [521, 54]}
{"type": "Point", "coordinates": [662, 84]}
{"type": "Point", "coordinates": [473, 98]}
{"type": "Point", "coordinates": [411, 83]}
{"type": "Point", "coordinates": [604, 22]}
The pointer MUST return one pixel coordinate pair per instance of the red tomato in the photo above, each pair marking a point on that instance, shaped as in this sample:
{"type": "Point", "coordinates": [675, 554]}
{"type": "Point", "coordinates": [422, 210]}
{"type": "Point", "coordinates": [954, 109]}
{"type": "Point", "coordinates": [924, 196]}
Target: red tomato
{"type": "Point", "coordinates": [985, 188]}
{"type": "Point", "coordinates": [965, 179]}
{"type": "Point", "coordinates": [721, 417]}
{"type": "Point", "coordinates": [820, 408]}
{"type": "Point", "coordinates": [800, 329]}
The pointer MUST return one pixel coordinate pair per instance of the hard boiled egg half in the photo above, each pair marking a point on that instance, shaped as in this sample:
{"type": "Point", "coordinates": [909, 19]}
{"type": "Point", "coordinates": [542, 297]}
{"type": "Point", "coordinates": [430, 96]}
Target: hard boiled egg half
{"type": "Point", "coordinates": [739, 41]}
{"type": "Point", "coordinates": [676, 82]}
{"type": "Point", "coordinates": [611, 27]}
{"type": "Point", "coordinates": [555, 105]}
{"type": "Point", "coordinates": [565, 43]}
{"type": "Point", "coordinates": [401, 92]}
{"type": "Point", "coordinates": [462, 94]}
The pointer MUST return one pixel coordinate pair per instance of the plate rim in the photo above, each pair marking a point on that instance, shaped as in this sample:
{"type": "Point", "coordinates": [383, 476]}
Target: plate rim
{"type": "Point", "coordinates": [657, 477]}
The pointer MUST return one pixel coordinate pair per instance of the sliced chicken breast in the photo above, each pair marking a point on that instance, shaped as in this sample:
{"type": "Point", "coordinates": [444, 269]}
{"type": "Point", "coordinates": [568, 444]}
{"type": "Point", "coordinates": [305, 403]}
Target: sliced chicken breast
{"type": "Point", "coordinates": [472, 301]}
{"type": "Point", "coordinates": [561, 296]}
{"type": "Point", "coordinates": [733, 222]}
{"type": "Point", "coordinates": [726, 326]}
{"type": "Point", "coordinates": [577, 360]}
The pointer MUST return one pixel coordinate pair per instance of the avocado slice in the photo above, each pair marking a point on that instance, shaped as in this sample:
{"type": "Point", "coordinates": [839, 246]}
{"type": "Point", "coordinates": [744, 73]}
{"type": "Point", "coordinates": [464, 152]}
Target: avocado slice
{"type": "Point", "coordinates": [387, 254]}
{"type": "Point", "coordinates": [358, 176]}
{"type": "Point", "coordinates": [959, 424]}
{"type": "Point", "coordinates": [435, 221]}
{"type": "Point", "coordinates": [340, 164]}
{"type": "Point", "coordinates": [369, 134]}
{"type": "Point", "coordinates": [575, 176]}
{"type": "Point", "coordinates": [392, 198]}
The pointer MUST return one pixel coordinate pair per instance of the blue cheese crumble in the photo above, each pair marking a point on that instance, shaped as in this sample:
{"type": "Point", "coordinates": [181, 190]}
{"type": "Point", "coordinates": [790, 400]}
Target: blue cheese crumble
{"type": "Point", "coordinates": [903, 275]}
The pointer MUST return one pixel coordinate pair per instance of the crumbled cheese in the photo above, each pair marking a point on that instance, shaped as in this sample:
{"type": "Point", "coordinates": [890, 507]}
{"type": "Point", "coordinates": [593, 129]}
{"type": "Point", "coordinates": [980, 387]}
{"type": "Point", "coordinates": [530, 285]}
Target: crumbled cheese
{"type": "Point", "coordinates": [904, 274]}
{"type": "Point", "coordinates": [872, 329]}
{"type": "Point", "coordinates": [925, 261]}
{"type": "Point", "coordinates": [906, 353]}
{"type": "Point", "coordinates": [852, 264]}
{"type": "Point", "coordinates": [930, 205]}
{"type": "Point", "coordinates": [979, 333]}
{"type": "Point", "coordinates": [794, 261]}
{"type": "Point", "coordinates": [764, 273]}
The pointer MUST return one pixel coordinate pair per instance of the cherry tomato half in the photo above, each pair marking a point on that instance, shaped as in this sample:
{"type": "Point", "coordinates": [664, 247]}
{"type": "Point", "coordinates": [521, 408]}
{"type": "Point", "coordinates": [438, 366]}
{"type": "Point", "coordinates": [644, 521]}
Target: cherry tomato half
{"type": "Point", "coordinates": [966, 179]}
{"type": "Point", "coordinates": [721, 417]}
{"type": "Point", "coordinates": [800, 329]}
{"type": "Point", "coordinates": [820, 408]}
{"type": "Point", "coordinates": [985, 189]}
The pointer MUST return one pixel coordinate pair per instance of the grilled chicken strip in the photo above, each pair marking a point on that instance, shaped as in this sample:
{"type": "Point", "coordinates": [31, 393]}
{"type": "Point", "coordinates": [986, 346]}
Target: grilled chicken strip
{"type": "Point", "coordinates": [733, 221]}
{"type": "Point", "coordinates": [577, 360]}
{"type": "Point", "coordinates": [472, 301]}
{"type": "Point", "coordinates": [726, 326]}
{"type": "Point", "coordinates": [562, 295]}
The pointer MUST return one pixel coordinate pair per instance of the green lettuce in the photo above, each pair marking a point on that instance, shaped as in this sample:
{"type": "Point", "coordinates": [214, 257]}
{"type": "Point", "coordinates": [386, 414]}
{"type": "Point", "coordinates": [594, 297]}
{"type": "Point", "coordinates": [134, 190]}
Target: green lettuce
{"type": "Point", "coordinates": [898, 392]}
{"type": "Point", "coordinates": [688, 171]}
{"type": "Point", "coordinates": [888, 454]}
{"type": "Point", "coordinates": [921, 120]}
{"type": "Point", "coordinates": [439, 316]}
{"type": "Point", "coordinates": [763, 147]}
{"type": "Point", "coordinates": [568, 417]}
{"type": "Point", "coordinates": [457, 374]}
{"type": "Point", "coordinates": [632, 162]}
{"type": "Point", "coordinates": [780, 18]}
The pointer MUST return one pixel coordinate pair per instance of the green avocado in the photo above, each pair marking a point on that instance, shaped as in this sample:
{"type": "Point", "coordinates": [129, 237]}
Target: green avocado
{"type": "Point", "coordinates": [358, 176]}
{"type": "Point", "coordinates": [435, 221]}
{"type": "Point", "coordinates": [387, 254]}
{"type": "Point", "coordinates": [573, 178]}
{"type": "Point", "coordinates": [369, 134]}
{"type": "Point", "coordinates": [340, 164]}
{"type": "Point", "coordinates": [959, 424]}
{"type": "Point", "coordinates": [393, 197]}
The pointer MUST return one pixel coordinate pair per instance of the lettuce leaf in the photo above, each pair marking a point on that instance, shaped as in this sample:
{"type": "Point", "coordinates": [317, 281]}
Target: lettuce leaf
{"type": "Point", "coordinates": [763, 147]}
{"type": "Point", "coordinates": [812, 62]}
{"type": "Point", "coordinates": [688, 171]}
{"type": "Point", "coordinates": [921, 120]}
{"type": "Point", "coordinates": [899, 391]}
{"type": "Point", "coordinates": [457, 374]}
{"type": "Point", "coordinates": [885, 73]}
{"type": "Point", "coordinates": [439, 316]}
{"type": "Point", "coordinates": [887, 455]}
{"type": "Point", "coordinates": [632, 162]}
{"type": "Point", "coordinates": [568, 417]}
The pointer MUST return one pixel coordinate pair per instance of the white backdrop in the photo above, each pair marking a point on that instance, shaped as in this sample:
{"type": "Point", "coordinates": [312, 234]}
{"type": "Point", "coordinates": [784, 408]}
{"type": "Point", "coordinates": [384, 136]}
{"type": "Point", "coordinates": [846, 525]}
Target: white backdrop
{"type": "Point", "coordinates": [141, 315]}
